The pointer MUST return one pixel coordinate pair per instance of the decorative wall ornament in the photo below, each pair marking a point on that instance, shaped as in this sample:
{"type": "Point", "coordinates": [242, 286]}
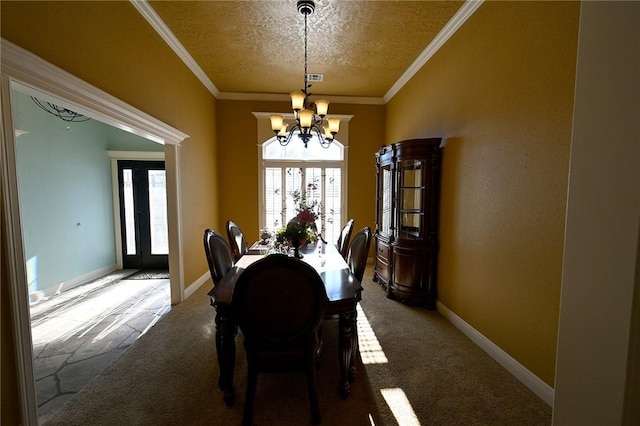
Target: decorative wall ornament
{"type": "Point", "coordinates": [60, 112]}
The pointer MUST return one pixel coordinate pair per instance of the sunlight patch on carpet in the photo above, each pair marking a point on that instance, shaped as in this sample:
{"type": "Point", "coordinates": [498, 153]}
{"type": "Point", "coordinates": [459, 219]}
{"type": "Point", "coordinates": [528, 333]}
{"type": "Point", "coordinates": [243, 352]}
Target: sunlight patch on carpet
{"type": "Point", "coordinates": [400, 406]}
{"type": "Point", "coordinates": [370, 350]}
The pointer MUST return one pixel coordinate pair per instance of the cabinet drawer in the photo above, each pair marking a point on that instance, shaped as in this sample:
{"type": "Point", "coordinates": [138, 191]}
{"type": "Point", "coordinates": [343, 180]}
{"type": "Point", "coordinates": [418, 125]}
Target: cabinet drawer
{"type": "Point", "coordinates": [382, 269]}
{"type": "Point", "coordinates": [383, 251]}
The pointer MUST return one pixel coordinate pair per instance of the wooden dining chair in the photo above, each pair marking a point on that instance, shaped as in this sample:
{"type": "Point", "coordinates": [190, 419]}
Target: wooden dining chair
{"type": "Point", "coordinates": [218, 253]}
{"type": "Point", "coordinates": [237, 241]}
{"type": "Point", "coordinates": [343, 239]}
{"type": "Point", "coordinates": [357, 261]}
{"type": "Point", "coordinates": [220, 260]}
{"type": "Point", "coordinates": [279, 302]}
{"type": "Point", "coordinates": [358, 252]}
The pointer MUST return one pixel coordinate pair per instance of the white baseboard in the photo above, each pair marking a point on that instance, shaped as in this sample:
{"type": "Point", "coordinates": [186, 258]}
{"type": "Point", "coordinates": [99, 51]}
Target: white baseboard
{"type": "Point", "coordinates": [196, 285]}
{"type": "Point", "coordinates": [530, 380]}
{"type": "Point", "coordinates": [73, 282]}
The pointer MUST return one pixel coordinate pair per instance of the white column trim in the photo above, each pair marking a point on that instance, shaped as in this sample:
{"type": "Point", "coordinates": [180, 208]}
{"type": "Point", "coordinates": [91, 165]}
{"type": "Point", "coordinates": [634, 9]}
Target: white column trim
{"type": "Point", "coordinates": [16, 263]}
{"type": "Point", "coordinates": [30, 74]}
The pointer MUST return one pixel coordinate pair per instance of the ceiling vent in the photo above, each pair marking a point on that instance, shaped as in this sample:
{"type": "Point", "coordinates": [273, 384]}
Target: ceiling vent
{"type": "Point", "coordinates": [315, 78]}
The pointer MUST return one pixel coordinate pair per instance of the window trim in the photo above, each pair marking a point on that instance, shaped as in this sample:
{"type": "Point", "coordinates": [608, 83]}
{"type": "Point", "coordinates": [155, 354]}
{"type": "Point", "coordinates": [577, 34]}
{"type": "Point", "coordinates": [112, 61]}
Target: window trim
{"type": "Point", "coordinates": [265, 135]}
{"type": "Point", "coordinates": [298, 164]}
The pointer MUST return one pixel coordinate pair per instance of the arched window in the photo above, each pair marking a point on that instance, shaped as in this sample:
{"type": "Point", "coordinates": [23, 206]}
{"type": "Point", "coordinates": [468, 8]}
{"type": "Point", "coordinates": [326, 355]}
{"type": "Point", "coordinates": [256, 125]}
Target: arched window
{"type": "Point", "coordinates": [316, 172]}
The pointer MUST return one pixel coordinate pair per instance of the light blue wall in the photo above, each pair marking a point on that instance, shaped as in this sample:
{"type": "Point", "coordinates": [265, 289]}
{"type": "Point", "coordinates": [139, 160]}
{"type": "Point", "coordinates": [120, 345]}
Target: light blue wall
{"type": "Point", "coordinates": [66, 197]}
{"type": "Point", "coordinates": [123, 141]}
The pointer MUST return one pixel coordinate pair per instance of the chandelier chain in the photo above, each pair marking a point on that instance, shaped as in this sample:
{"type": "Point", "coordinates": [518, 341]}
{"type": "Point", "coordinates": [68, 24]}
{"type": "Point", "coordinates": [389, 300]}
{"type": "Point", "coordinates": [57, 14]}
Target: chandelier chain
{"type": "Point", "coordinates": [305, 58]}
{"type": "Point", "coordinates": [309, 116]}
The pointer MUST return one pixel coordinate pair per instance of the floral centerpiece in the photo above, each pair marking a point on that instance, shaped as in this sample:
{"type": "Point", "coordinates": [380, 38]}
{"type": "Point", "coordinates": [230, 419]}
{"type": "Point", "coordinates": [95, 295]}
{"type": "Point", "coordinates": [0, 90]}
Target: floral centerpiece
{"type": "Point", "coordinates": [301, 229]}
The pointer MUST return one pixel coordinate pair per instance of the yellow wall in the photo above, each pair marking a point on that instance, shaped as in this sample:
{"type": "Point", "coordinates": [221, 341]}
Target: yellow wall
{"type": "Point", "coordinates": [238, 163]}
{"type": "Point", "coordinates": [501, 92]}
{"type": "Point", "coordinates": [121, 54]}
{"type": "Point", "coordinates": [111, 46]}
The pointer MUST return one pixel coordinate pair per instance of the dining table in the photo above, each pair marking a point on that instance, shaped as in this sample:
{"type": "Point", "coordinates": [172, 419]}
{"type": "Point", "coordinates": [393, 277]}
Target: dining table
{"type": "Point", "coordinates": [343, 291]}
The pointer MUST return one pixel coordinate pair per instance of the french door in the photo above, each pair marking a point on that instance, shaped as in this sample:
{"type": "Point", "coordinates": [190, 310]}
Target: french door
{"type": "Point", "coordinates": [143, 214]}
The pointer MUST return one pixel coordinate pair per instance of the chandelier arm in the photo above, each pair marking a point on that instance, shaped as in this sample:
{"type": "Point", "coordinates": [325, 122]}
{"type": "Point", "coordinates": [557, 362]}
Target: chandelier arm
{"type": "Point", "coordinates": [284, 140]}
{"type": "Point", "coordinates": [324, 142]}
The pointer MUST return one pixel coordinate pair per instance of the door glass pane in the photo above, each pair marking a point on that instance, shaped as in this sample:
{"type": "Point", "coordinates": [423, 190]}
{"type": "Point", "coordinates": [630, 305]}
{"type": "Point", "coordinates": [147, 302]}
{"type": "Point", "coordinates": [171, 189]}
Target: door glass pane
{"type": "Point", "coordinates": [129, 211]}
{"type": "Point", "coordinates": [158, 212]}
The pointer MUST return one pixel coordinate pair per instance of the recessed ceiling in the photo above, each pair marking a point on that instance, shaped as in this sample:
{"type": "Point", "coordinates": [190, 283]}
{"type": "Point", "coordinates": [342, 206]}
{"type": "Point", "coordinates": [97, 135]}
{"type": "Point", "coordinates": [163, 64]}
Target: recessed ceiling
{"type": "Point", "coordinates": [257, 47]}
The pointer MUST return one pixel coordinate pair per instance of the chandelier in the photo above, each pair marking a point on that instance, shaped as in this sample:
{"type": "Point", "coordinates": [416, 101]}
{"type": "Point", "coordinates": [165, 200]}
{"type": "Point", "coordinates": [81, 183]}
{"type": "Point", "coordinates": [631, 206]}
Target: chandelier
{"type": "Point", "coordinates": [307, 121]}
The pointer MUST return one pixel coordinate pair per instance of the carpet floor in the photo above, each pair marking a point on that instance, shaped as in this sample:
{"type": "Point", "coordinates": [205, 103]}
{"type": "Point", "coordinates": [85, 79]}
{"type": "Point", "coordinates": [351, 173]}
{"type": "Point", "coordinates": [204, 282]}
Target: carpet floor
{"type": "Point", "coordinates": [415, 369]}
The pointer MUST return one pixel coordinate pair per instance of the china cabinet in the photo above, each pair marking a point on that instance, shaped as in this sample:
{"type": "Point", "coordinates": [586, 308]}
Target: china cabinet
{"type": "Point", "coordinates": [407, 206]}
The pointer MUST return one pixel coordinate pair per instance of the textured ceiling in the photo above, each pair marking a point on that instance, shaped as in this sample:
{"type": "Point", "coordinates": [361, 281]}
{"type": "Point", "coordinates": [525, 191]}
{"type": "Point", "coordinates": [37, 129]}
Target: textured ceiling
{"type": "Point", "coordinates": [257, 46]}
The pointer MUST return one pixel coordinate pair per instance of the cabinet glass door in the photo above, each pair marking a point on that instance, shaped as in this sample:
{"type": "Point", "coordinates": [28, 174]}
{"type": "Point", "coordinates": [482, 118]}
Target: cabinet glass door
{"type": "Point", "coordinates": [410, 198]}
{"type": "Point", "coordinates": [386, 206]}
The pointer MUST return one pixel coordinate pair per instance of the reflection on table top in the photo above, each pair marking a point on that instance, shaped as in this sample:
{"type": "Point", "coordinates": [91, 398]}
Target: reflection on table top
{"type": "Point", "coordinates": [340, 284]}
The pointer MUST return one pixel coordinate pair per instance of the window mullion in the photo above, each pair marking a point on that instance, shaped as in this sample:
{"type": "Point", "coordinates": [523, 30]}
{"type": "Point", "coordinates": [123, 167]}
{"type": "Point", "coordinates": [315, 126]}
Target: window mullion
{"type": "Point", "coordinates": [283, 178]}
{"type": "Point", "coordinates": [323, 180]}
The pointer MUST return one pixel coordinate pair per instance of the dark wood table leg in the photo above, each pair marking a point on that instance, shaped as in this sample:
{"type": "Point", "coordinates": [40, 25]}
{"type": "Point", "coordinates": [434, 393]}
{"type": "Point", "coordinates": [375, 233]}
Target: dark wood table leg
{"type": "Point", "coordinates": [354, 352]}
{"type": "Point", "coordinates": [347, 350]}
{"type": "Point", "coordinates": [226, 331]}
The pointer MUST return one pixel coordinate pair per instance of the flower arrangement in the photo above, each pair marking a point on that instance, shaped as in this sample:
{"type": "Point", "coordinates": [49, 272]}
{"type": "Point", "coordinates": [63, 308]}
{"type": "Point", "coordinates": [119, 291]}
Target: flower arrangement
{"type": "Point", "coordinates": [302, 227]}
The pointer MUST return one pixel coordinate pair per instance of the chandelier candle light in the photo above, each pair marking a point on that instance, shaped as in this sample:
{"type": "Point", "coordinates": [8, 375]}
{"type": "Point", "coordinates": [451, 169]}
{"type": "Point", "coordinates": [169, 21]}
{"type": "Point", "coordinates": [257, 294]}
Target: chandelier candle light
{"type": "Point", "coordinates": [307, 122]}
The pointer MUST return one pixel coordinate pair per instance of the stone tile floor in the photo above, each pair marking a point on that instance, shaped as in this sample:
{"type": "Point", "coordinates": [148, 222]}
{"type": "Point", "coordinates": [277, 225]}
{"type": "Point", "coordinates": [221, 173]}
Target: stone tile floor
{"type": "Point", "coordinates": [78, 333]}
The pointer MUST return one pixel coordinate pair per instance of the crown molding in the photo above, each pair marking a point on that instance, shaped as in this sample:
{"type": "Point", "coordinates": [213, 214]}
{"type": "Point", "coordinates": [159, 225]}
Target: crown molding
{"type": "Point", "coordinates": [461, 16]}
{"type": "Point", "coordinates": [282, 97]}
{"type": "Point", "coordinates": [167, 35]}
{"type": "Point", "coordinates": [37, 77]}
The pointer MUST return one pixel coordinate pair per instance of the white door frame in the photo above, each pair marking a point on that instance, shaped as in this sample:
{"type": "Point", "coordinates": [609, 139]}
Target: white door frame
{"type": "Point", "coordinates": [32, 75]}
